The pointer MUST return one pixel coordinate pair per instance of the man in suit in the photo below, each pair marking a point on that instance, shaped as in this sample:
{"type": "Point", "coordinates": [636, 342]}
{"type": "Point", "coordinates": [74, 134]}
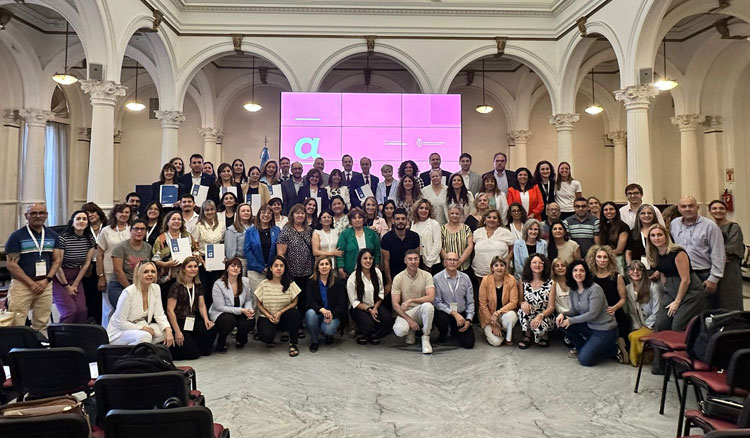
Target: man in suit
{"type": "Point", "coordinates": [505, 178]}
{"type": "Point", "coordinates": [347, 162]}
{"type": "Point", "coordinates": [196, 175]}
{"type": "Point", "coordinates": [362, 179]}
{"type": "Point", "coordinates": [290, 187]}
{"type": "Point", "coordinates": [472, 180]}
{"type": "Point", "coordinates": [435, 161]}
{"type": "Point", "coordinates": [284, 164]}
{"type": "Point", "coordinates": [320, 164]}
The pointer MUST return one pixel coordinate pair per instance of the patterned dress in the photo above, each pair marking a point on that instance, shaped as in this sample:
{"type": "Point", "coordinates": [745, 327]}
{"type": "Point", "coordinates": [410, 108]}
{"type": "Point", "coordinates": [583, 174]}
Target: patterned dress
{"type": "Point", "coordinates": [538, 300]}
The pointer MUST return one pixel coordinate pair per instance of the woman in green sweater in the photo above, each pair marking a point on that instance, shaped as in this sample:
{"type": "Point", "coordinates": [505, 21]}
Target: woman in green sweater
{"type": "Point", "coordinates": [353, 239]}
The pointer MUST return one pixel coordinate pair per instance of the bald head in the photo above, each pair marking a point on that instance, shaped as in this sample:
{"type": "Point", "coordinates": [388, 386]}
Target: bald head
{"type": "Point", "coordinates": [688, 207]}
{"type": "Point", "coordinates": [451, 262]}
{"type": "Point", "coordinates": [36, 215]}
{"type": "Point", "coordinates": [553, 211]}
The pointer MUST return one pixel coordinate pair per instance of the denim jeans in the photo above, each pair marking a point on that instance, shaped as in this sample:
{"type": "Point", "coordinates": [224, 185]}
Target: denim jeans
{"type": "Point", "coordinates": [593, 346]}
{"type": "Point", "coordinates": [315, 325]}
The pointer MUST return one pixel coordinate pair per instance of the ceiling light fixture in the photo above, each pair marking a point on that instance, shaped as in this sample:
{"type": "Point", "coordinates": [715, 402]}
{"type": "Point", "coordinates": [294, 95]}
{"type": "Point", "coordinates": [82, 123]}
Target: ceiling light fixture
{"type": "Point", "coordinates": [665, 84]}
{"type": "Point", "coordinates": [64, 78]}
{"type": "Point", "coordinates": [134, 105]}
{"type": "Point", "coordinates": [253, 106]}
{"type": "Point", "coordinates": [484, 108]}
{"type": "Point", "coordinates": [594, 109]}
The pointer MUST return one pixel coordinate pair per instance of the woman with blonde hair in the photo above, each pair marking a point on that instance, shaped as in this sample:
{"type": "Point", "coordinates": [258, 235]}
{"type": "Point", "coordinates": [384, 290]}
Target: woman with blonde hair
{"type": "Point", "coordinates": [186, 301]}
{"type": "Point", "coordinates": [424, 224]}
{"type": "Point", "coordinates": [602, 262]}
{"type": "Point", "coordinates": [481, 206]}
{"type": "Point", "coordinates": [498, 302]}
{"type": "Point", "coordinates": [643, 304]}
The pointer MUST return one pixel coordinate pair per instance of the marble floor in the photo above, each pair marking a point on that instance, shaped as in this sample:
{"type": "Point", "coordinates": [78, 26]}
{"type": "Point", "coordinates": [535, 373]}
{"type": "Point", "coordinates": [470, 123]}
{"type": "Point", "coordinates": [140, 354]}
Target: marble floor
{"type": "Point", "coordinates": [392, 390]}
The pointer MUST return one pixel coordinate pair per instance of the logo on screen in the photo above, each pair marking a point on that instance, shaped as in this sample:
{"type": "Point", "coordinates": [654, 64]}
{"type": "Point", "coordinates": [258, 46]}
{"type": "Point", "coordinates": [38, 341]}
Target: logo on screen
{"type": "Point", "coordinates": [313, 153]}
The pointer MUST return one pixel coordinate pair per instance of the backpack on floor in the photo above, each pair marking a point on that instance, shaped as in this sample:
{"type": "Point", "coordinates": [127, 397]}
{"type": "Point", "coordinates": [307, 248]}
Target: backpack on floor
{"type": "Point", "coordinates": [145, 358]}
{"type": "Point", "coordinates": [712, 322]}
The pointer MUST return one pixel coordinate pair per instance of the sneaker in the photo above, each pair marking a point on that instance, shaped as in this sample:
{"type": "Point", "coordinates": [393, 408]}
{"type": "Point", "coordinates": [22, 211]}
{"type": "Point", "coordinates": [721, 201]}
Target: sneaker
{"type": "Point", "coordinates": [572, 353]}
{"type": "Point", "coordinates": [411, 338]}
{"type": "Point", "coordinates": [622, 352]}
{"type": "Point", "coordinates": [426, 347]}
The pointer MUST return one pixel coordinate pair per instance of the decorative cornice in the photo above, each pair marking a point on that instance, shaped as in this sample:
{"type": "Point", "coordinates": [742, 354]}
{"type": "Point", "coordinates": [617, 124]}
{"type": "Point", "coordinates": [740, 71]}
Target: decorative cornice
{"type": "Point", "coordinates": [117, 138]}
{"type": "Point", "coordinates": [713, 124]}
{"type": "Point", "coordinates": [220, 137]}
{"type": "Point", "coordinates": [209, 134]}
{"type": "Point", "coordinates": [618, 136]}
{"type": "Point", "coordinates": [170, 119]}
{"type": "Point", "coordinates": [103, 92]}
{"type": "Point", "coordinates": [637, 96]}
{"type": "Point", "coordinates": [520, 135]}
{"type": "Point", "coordinates": [564, 122]}
{"type": "Point", "coordinates": [83, 133]}
{"type": "Point", "coordinates": [36, 117]}
{"type": "Point", "coordinates": [12, 118]}
{"type": "Point", "coordinates": [687, 122]}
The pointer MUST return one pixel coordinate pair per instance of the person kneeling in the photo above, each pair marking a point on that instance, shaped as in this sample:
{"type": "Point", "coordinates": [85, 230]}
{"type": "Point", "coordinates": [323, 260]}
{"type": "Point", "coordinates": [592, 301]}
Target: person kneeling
{"type": "Point", "coordinates": [412, 294]}
{"type": "Point", "coordinates": [454, 303]}
{"type": "Point", "coordinates": [186, 311]}
{"type": "Point", "coordinates": [366, 293]}
{"type": "Point", "coordinates": [326, 303]}
{"type": "Point", "coordinates": [587, 324]}
{"type": "Point", "coordinates": [498, 302]}
{"type": "Point", "coordinates": [277, 303]}
{"type": "Point", "coordinates": [139, 315]}
{"type": "Point", "coordinates": [233, 305]}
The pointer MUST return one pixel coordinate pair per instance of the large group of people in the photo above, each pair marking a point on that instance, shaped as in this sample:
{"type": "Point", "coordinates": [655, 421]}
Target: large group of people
{"type": "Point", "coordinates": [508, 250]}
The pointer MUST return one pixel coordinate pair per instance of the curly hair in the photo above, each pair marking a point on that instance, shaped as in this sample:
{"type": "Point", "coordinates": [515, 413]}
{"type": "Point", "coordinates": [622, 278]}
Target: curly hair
{"type": "Point", "coordinates": [611, 260]}
{"type": "Point", "coordinates": [527, 276]}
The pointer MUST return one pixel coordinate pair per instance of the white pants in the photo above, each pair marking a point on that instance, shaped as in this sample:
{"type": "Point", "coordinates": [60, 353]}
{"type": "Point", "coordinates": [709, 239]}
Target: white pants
{"type": "Point", "coordinates": [507, 321]}
{"type": "Point", "coordinates": [422, 314]}
{"type": "Point", "coordinates": [135, 337]}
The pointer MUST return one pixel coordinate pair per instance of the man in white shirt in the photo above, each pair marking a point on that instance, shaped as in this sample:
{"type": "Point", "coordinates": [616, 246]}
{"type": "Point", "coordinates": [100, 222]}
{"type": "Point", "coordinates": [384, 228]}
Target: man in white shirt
{"type": "Point", "coordinates": [285, 164]}
{"type": "Point", "coordinates": [347, 162]}
{"type": "Point", "coordinates": [472, 180]}
{"type": "Point", "coordinates": [189, 216]}
{"type": "Point", "coordinates": [412, 294]}
{"type": "Point", "coordinates": [629, 211]}
{"type": "Point", "coordinates": [505, 178]}
{"type": "Point", "coordinates": [320, 164]}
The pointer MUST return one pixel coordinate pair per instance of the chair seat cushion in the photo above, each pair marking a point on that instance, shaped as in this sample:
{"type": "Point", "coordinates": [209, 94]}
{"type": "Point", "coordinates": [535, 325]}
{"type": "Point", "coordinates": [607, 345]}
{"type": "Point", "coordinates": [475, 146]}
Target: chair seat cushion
{"type": "Point", "coordinates": [666, 340]}
{"type": "Point", "coordinates": [682, 359]}
{"type": "Point", "coordinates": [218, 430]}
{"type": "Point", "coordinates": [707, 423]}
{"type": "Point", "coordinates": [714, 381]}
{"type": "Point", "coordinates": [97, 432]}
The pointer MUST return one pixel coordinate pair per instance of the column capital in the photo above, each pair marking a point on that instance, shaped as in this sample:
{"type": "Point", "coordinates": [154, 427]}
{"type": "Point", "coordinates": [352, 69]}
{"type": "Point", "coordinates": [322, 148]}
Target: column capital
{"type": "Point", "coordinates": [103, 92]}
{"type": "Point", "coordinates": [170, 119]}
{"type": "Point", "coordinates": [520, 135]}
{"type": "Point", "coordinates": [637, 96]}
{"type": "Point", "coordinates": [563, 122]}
{"type": "Point", "coordinates": [35, 116]}
{"type": "Point", "coordinates": [11, 117]}
{"type": "Point", "coordinates": [117, 138]}
{"type": "Point", "coordinates": [687, 122]}
{"type": "Point", "coordinates": [83, 133]}
{"type": "Point", "coordinates": [220, 137]}
{"type": "Point", "coordinates": [617, 136]}
{"type": "Point", "coordinates": [713, 124]}
{"type": "Point", "coordinates": [209, 134]}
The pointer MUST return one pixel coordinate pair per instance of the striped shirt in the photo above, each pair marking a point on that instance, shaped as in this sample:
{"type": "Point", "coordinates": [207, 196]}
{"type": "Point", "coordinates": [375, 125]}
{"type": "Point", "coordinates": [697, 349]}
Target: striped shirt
{"type": "Point", "coordinates": [76, 249]}
{"type": "Point", "coordinates": [457, 242]}
{"type": "Point", "coordinates": [20, 242]}
{"type": "Point", "coordinates": [273, 297]}
{"type": "Point", "coordinates": [582, 232]}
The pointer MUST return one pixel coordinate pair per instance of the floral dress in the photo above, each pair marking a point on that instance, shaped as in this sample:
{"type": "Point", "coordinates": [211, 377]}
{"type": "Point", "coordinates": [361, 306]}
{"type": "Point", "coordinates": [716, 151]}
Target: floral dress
{"type": "Point", "coordinates": [538, 300]}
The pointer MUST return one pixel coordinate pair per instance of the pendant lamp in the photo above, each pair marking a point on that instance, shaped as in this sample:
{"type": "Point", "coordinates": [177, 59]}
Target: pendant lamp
{"type": "Point", "coordinates": [64, 78]}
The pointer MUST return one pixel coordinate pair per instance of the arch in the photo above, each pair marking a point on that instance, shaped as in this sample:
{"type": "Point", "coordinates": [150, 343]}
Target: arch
{"type": "Point", "coordinates": [612, 109]}
{"type": "Point", "coordinates": [202, 92]}
{"type": "Point", "coordinates": [11, 76]}
{"type": "Point", "coordinates": [235, 88]}
{"type": "Point", "coordinates": [199, 60]}
{"type": "Point", "coordinates": [505, 106]}
{"type": "Point", "coordinates": [28, 64]}
{"type": "Point", "coordinates": [524, 55]}
{"type": "Point", "coordinates": [381, 81]}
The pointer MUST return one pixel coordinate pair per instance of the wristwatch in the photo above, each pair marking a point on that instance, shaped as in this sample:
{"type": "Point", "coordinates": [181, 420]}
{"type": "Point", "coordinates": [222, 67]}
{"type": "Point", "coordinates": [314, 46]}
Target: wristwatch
{"type": "Point", "coordinates": [49, 279]}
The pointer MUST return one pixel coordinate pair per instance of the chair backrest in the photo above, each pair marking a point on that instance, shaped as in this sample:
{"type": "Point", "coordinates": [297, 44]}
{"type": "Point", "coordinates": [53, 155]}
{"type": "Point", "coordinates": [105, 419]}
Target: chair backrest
{"type": "Point", "coordinates": [40, 373]}
{"type": "Point", "coordinates": [691, 332]}
{"type": "Point", "coordinates": [186, 422]}
{"type": "Point", "coordinates": [724, 344]}
{"type": "Point", "coordinates": [738, 372]}
{"type": "Point", "coordinates": [86, 336]}
{"type": "Point", "coordinates": [107, 355]}
{"type": "Point", "coordinates": [16, 337]}
{"type": "Point", "coordinates": [48, 426]}
{"type": "Point", "coordinates": [139, 391]}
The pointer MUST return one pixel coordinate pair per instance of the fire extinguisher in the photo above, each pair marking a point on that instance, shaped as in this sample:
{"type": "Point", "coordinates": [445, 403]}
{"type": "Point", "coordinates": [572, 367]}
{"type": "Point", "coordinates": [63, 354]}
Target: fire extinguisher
{"type": "Point", "coordinates": [728, 199]}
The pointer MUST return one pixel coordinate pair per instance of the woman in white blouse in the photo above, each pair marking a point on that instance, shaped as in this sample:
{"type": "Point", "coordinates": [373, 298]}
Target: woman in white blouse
{"type": "Point", "coordinates": [336, 188]}
{"type": "Point", "coordinates": [139, 316]}
{"type": "Point", "coordinates": [117, 231]}
{"type": "Point", "coordinates": [567, 190]}
{"type": "Point", "coordinates": [366, 293]}
{"type": "Point", "coordinates": [429, 236]}
{"type": "Point", "coordinates": [325, 239]}
{"type": "Point", "coordinates": [208, 230]}
{"type": "Point", "coordinates": [435, 193]}
{"type": "Point", "coordinates": [490, 240]}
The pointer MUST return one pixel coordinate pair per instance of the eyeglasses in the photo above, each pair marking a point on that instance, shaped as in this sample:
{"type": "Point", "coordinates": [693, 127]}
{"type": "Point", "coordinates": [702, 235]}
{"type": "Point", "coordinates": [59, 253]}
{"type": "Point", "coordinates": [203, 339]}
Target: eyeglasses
{"type": "Point", "coordinates": [633, 193]}
{"type": "Point", "coordinates": [38, 213]}
{"type": "Point", "coordinates": [580, 206]}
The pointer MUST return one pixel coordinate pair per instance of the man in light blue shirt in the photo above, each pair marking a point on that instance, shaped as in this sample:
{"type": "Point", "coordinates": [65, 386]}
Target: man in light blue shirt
{"type": "Point", "coordinates": [454, 303]}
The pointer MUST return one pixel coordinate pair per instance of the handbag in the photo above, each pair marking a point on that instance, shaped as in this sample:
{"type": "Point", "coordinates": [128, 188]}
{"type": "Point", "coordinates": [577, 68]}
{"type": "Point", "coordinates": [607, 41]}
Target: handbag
{"type": "Point", "coordinates": [727, 410]}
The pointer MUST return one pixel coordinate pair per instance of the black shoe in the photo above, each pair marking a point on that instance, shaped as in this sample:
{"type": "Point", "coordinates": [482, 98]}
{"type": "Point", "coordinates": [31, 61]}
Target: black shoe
{"type": "Point", "coordinates": [657, 370]}
{"type": "Point", "coordinates": [221, 350]}
{"type": "Point", "coordinates": [239, 346]}
{"type": "Point", "coordinates": [329, 340]}
{"type": "Point", "coordinates": [313, 347]}
{"type": "Point", "coordinates": [301, 334]}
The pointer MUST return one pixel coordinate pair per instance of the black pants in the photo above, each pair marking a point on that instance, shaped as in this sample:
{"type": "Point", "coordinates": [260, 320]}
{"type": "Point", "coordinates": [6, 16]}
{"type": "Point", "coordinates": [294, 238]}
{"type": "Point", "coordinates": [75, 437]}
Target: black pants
{"type": "Point", "coordinates": [302, 297]}
{"type": "Point", "coordinates": [368, 327]}
{"type": "Point", "coordinates": [197, 342]}
{"type": "Point", "coordinates": [226, 322]}
{"type": "Point", "coordinates": [444, 321]}
{"type": "Point", "coordinates": [93, 296]}
{"type": "Point", "coordinates": [290, 321]}
{"type": "Point", "coordinates": [208, 278]}
{"type": "Point", "coordinates": [164, 289]}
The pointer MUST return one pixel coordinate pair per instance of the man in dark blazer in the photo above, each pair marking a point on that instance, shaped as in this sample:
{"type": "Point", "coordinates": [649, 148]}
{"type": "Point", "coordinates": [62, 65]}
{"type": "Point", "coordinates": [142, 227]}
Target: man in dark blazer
{"type": "Point", "coordinates": [360, 179]}
{"type": "Point", "coordinates": [435, 161]}
{"type": "Point", "coordinates": [505, 178]}
{"type": "Point", "coordinates": [347, 163]}
{"type": "Point", "coordinates": [290, 187]}
{"type": "Point", "coordinates": [196, 175]}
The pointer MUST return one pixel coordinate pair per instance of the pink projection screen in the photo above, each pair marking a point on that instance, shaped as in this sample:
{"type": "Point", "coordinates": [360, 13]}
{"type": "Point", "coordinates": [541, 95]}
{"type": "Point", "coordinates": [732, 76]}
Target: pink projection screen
{"type": "Point", "coordinates": [387, 128]}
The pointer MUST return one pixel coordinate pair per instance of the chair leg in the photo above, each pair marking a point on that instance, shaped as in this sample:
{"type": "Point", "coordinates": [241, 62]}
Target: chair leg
{"type": "Point", "coordinates": [682, 407]}
{"type": "Point", "coordinates": [665, 382]}
{"type": "Point", "coordinates": [676, 381]}
{"type": "Point", "coordinates": [640, 367]}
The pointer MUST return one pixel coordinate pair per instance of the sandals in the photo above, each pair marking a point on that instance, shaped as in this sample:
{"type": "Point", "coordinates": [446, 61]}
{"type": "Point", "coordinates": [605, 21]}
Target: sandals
{"type": "Point", "coordinates": [375, 341]}
{"type": "Point", "coordinates": [284, 338]}
{"type": "Point", "coordinates": [293, 350]}
{"type": "Point", "coordinates": [543, 342]}
{"type": "Point", "coordinates": [525, 342]}
{"type": "Point", "coordinates": [362, 340]}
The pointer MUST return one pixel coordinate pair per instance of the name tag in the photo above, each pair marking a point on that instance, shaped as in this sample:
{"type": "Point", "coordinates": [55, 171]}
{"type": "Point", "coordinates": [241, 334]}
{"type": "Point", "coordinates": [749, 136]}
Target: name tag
{"type": "Point", "coordinates": [189, 324]}
{"type": "Point", "coordinates": [454, 307]}
{"type": "Point", "coordinates": [40, 268]}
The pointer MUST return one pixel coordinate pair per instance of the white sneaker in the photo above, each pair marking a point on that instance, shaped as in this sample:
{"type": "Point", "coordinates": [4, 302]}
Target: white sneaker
{"type": "Point", "coordinates": [426, 347]}
{"type": "Point", "coordinates": [411, 337]}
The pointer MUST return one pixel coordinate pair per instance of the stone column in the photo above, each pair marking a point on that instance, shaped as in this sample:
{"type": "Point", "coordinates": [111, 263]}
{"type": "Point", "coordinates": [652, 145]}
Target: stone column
{"type": "Point", "coordinates": [511, 163]}
{"type": "Point", "coordinates": [520, 138]}
{"type": "Point", "coordinates": [637, 100]}
{"type": "Point", "coordinates": [170, 123]}
{"type": "Point", "coordinates": [713, 144]}
{"type": "Point", "coordinates": [210, 150]}
{"type": "Point", "coordinates": [104, 96]}
{"type": "Point", "coordinates": [690, 181]}
{"type": "Point", "coordinates": [32, 163]}
{"type": "Point", "coordinates": [10, 135]}
{"type": "Point", "coordinates": [563, 124]}
{"type": "Point", "coordinates": [116, 150]}
{"type": "Point", "coordinates": [79, 159]}
{"type": "Point", "coordinates": [620, 174]}
{"type": "Point", "coordinates": [607, 188]}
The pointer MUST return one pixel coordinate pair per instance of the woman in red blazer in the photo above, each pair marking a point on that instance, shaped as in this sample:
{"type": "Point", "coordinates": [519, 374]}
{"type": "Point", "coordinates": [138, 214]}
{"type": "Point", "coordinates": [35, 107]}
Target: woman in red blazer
{"type": "Point", "coordinates": [527, 193]}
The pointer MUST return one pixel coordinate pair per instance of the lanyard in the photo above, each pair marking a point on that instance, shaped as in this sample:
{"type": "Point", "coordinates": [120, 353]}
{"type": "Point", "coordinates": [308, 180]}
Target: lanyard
{"type": "Point", "coordinates": [96, 236]}
{"type": "Point", "coordinates": [151, 230]}
{"type": "Point", "coordinates": [453, 289]}
{"type": "Point", "coordinates": [119, 233]}
{"type": "Point", "coordinates": [39, 245]}
{"type": "Point", "coordinates": [191, 295]}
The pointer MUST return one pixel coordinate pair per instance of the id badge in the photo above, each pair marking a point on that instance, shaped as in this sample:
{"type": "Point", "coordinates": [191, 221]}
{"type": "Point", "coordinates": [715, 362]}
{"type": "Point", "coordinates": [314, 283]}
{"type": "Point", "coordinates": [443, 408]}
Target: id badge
{"type": "Point", "coordinates": [454, 307]}
{"type": "Point", "coordinates": [189, 324]}
{"type": "Point", "coordinates": [41, 268]}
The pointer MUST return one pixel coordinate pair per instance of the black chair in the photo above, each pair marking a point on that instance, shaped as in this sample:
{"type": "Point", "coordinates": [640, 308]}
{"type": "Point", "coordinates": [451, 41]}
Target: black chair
{"type": "Point", "coordinates": [7, 391]}
{"type": "Point", "coordinates": [40, 373]}
{"type": "Point", "coordinates": [48, 426]}
{"type": "Point", "coordinates": [86, 336]}
{"type": "Point", "coordinates": [16, 337]}
{"type": "Point", "coordinates": [194, 422]}
{"type": "Point", "coordinates": [141, 391]}
{"type": "Point", "coordinates": [736, 433]}
{"type": "Point", "coordinates": [107, 355]}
